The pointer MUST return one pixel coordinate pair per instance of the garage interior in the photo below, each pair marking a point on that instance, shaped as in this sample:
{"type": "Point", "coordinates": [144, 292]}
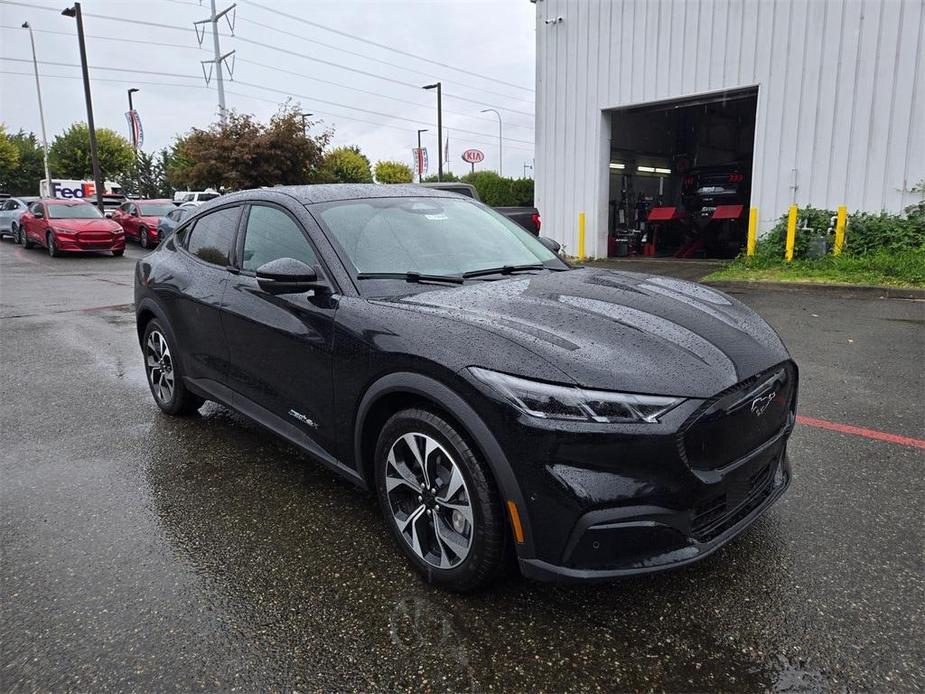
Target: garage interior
{"type": "Point", "coordinates": [680, 176]}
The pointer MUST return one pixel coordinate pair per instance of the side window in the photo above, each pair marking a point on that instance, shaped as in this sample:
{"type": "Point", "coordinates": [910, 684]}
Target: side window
{"type": "Point", "coordinates": [35, 208]}
{"type": "Point", "coordinates": [212, 236]}
{"type": "Point", "coordinates": [273, 234]}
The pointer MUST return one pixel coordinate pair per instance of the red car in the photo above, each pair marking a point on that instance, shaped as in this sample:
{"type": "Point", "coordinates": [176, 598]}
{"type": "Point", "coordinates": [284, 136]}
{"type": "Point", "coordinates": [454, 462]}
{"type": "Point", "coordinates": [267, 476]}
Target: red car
{"type": "Point", "coordinates": [70, 225]}
{"type": "Point", "coordinates": [139, 219]}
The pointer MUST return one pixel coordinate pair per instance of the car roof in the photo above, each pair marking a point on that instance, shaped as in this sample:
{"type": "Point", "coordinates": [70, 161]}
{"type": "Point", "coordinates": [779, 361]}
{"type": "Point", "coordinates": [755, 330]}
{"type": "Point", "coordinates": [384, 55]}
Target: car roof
{"type": "Point", "coordinates": [331, 192]}
{"type": "Point", "coordinates": [164, 200]}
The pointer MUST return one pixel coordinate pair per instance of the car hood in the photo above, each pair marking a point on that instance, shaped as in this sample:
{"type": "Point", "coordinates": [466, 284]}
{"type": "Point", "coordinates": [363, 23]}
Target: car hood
{"type": "Point", "coordinates": [78, 225]}
{"type": "Point", "coordinates": [618, 330]}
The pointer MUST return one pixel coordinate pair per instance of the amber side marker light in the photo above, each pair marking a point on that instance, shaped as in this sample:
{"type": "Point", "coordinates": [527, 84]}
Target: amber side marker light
{"type": "Point", "coordinates": [515, 522]}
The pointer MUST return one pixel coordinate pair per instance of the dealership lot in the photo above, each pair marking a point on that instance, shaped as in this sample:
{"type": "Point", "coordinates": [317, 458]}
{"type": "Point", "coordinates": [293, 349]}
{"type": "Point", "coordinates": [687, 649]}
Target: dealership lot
{"type": "Point", "coordinates": [147, 552]}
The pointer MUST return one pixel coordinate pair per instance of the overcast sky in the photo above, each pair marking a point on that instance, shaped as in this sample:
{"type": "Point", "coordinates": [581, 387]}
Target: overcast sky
{"type": "Point", "coordinates": [490, 41]}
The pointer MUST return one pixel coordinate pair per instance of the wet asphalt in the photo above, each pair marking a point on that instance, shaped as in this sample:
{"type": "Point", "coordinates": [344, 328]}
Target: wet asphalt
{"type": "Point", "coordinates": [142, 552]}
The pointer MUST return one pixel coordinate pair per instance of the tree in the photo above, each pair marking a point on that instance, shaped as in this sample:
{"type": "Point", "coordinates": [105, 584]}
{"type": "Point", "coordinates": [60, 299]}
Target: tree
{"type": "Point", "coordinates": [393, 172]}
{"type": "Point", "coordinates": [448, 177]}
{"type": "Point", "coordinates": [147, 177]}
{"type": "Point", "coordinates": [24, 178]}
{"type": "Point", "coordinates": [346, 165]}
{"type": "Point", "coordinates": [244, 153]}
{"type": "Point", "coordinates": [9, 158]}
{"type": "Point", "coordinates": [69, 154]}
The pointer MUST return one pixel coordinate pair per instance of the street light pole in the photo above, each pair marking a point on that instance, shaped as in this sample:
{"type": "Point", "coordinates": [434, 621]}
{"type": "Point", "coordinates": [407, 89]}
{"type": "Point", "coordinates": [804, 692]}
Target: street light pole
{"type": "Point", "coordinates": [420, 158]}
{"type": "Point", "coordinates": [439, 87]}
{"type": "Point", "coordinates": [94, 153]}
{"type": "Point", "coordinates": [500, 151]}
{"type": "Point", "coordinates": [304, 117]}
{"type": "Point", "coordinates": [38, 89]}
{"type": "Point", "coordinates": [131, 109]}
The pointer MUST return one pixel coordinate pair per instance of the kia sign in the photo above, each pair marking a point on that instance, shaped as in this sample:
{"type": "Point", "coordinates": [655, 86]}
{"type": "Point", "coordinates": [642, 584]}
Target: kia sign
{"type": "Point", "coordinates": [473, 156]}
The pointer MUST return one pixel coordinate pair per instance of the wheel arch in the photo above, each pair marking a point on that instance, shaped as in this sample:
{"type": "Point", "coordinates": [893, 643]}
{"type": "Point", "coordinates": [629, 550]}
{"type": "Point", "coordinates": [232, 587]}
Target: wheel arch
{"type": "Point", "coordinates": [401, 390]}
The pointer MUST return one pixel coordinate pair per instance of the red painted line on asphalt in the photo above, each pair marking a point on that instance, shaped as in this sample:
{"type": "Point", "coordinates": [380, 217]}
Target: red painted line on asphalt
{"type": "Point", "coordinates": [861, 431]}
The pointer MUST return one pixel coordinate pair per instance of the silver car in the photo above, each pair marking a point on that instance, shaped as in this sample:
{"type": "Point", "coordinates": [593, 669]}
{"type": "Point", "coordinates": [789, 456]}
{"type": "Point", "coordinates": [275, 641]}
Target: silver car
{"type": "Point", "coordinates": [11, 210]}
{"type": "Point", "coordinates": [167, 224]}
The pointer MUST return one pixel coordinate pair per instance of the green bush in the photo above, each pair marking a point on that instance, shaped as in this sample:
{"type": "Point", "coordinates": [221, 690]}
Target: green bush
{"type": "Point", "coordinates": [866, 233]}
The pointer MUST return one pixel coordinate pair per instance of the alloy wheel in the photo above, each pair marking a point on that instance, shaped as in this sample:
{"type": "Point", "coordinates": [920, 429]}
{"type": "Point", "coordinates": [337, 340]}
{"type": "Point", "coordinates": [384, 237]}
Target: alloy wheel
{"type": "Point", "coordinates": [159, 365]}
{"type": "Point", "coordinates": [144, 238]}
{"type": "Point", "coordinates": [429, 500]}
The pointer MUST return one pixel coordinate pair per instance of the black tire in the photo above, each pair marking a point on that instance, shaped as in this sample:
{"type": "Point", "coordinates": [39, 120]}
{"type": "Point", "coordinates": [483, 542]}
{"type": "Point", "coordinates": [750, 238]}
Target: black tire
{"type": "Point", "coordinates": [17, 239]}
{"type": "Point", "coordinates": [143, 238]}
{"type": "Point", "coordinates": [51, 245]}
{"type": "Point", "coordinates": [26, 243]}
{"type": "Point", "coordinates": [488, 537]}
{"type": "Point", "coordinates": [180, 401]}
{"type": "Point", "coordinates": [116, 254]}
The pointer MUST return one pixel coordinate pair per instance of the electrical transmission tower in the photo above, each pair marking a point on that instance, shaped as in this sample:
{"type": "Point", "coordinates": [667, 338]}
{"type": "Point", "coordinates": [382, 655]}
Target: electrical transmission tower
{"type": "Point", "coordinates": [219, 60]}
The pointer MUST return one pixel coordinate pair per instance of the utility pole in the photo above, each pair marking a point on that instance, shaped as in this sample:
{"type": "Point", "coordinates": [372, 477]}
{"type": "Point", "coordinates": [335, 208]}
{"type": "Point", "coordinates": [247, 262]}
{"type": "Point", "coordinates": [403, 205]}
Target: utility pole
{"type": "Point", "coordinates": [218, 59]}
{"type": "Point", "coordinates": [94, 152]}
{"type": "Point", "coordinates": [439, 87]}
{"type": "Point", "coordinates": [38, 89]}
{"type": "Point", "coordinates": [131, 110]}
{"type": "Point", "coordinates": [500, 151]}
{"type": "Point", "coordinates": [420, 157]}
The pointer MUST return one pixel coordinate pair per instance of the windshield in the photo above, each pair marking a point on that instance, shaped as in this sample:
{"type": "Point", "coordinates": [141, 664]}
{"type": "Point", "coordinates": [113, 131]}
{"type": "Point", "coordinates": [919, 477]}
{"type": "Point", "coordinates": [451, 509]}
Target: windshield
{"type": "Point", "coordinates": [73, 212]}
{"type": "Point", "coordinates": [433, 236]}
{"type": "Point", "coordinates": [156, 209]}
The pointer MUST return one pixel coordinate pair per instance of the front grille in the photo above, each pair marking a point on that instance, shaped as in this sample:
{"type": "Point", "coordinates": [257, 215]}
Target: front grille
{"type": "Point", "coordinates": [95, 239]}
{"type": "Point", "coordinates": [715, 516]}
{"type": "Point", "coordinates": [739, 420]}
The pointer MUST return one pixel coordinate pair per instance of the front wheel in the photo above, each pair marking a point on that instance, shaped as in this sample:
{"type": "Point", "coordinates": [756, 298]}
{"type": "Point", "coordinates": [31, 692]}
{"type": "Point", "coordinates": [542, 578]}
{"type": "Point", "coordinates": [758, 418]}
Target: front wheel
{"type": "Point", "coordinates": [51, 245]}
{"type": "Point", "coordinates": [15, 229]}
{"type": "Point", "coordinates": [440, 502]}
{"type": "Point", "coordinates": [143, 238]}
{"type": "Point", "coordinates": [26, 243]}
{"type": "Point", "coordinates": [164, 375]}
{"type": "Point", "coordinates": [116, 254]}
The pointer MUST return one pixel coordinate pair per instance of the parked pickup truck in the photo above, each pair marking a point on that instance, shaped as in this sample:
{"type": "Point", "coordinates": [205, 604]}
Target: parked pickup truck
{"type": "Point", "coordinates": [527, 217]}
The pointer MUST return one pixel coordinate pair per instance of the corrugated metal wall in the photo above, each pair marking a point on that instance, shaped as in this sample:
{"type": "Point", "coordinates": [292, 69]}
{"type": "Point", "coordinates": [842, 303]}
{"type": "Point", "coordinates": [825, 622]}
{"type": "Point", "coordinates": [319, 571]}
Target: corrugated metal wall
{"type": "Point", "coordinates": [841, 96]}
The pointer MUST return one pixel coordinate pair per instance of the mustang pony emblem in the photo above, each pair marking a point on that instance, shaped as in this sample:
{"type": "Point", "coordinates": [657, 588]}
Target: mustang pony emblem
{"type": "Point", "coordinates": [761, 403]}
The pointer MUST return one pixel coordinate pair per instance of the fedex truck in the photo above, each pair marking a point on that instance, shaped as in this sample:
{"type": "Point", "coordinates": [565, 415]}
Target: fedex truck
{"type": "Point", "coordinates": [69, 188]}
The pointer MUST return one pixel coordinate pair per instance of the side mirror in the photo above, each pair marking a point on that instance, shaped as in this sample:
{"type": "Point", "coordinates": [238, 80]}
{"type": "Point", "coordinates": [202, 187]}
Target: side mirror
{"type": "Point", "coordinates": [551, 244]}
{"type": "Point", "coordinates": [288, 276]}
{"type": "Point", "coordinates": [108, 215]}
{"type": "Point", "coordinates": [134, 213]}
{"type": "Point", "coordinates": [38, 214]}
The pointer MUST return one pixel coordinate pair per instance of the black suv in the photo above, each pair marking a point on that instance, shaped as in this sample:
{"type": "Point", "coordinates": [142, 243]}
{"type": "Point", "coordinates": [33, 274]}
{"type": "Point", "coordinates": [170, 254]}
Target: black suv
{"type": "Point", "coordinates": [593, 423]}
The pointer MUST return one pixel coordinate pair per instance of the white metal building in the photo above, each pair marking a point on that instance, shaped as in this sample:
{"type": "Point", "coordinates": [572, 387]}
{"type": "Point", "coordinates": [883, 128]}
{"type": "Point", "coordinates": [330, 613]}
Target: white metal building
{"type": "Point", "coordinates": [836, 90]}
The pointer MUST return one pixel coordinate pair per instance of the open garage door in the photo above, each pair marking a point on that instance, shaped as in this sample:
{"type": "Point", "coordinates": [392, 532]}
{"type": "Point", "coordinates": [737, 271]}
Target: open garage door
{"type": "Point", "coordinates": [680, 176]}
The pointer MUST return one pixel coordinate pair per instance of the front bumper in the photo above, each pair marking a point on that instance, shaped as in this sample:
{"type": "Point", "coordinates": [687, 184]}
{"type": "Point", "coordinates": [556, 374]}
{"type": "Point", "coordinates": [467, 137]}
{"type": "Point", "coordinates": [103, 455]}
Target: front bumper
{"type": "Point", "coordinates": [90, 242]}
{"type": "Point", "coordinates": [608, 500]}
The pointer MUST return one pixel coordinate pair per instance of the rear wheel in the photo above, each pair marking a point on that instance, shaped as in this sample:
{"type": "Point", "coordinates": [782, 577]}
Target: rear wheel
{"type": "Point", "coordinates": [439, 501]}
{"type": "Point", "coordinates": [51, 245]}
{"type": "Point", "coordinates": [164, 375]}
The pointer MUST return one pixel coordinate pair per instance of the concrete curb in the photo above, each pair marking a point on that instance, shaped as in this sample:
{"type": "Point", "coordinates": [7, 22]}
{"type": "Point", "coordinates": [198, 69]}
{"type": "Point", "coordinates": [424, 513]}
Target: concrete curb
{"type": "Point", "coordinates": [845, 291]}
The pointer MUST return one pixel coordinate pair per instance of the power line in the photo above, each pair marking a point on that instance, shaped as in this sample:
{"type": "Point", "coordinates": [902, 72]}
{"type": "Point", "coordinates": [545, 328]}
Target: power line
{"type": "Point", "coordinates": [101, 67]}
{"type": "Point", "coordinates": [239, 94]}
{"type": "Point", "coordinates": [302, 20]}
{"type": "Point", "coordinates": [108, 38]}
{"type": "Point", "coordinates": [312, 99]}
{"type": "Point", "coordinates": [428, 75]}
{"type": "Point", "coordinates": [365, 91]}
{"type": "Point", "coordinates": [369, 74]}
{"type": "Point", "coordinates": [268, 47]}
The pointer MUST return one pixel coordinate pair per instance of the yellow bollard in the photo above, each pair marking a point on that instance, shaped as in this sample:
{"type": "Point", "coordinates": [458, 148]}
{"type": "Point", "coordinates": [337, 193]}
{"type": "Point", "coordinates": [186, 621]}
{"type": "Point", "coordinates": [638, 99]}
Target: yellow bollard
{"type": "Point", "coordinates": [840, 222]}
{"type": "Point", "coordinates": [752, 231]}
{"type": "Point", "coordinates": [581, 235]}
{"type": "Point", "coordinates": [791, 233]}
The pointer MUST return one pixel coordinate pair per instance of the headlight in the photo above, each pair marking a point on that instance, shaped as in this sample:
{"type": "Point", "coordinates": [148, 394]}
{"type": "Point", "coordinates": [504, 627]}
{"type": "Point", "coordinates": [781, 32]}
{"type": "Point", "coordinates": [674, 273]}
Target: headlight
{"type": "Point", "coordinates": [59, 230]}
{"type": "Point", "coordinates": [550, 401]}
{"type": "Point", "coordinates": [117, 230]}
